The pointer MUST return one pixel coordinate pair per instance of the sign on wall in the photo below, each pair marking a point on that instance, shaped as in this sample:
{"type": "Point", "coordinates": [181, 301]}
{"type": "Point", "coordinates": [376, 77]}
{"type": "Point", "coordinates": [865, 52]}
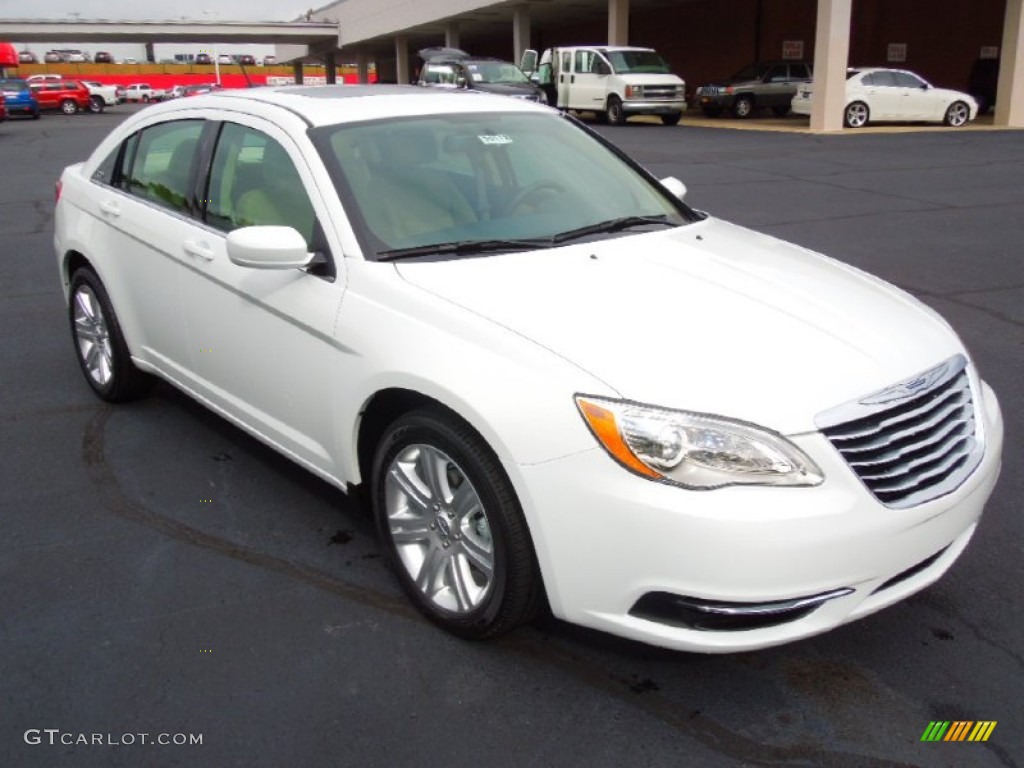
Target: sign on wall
{"type": "Point", "coordinates": [792, 49]}
{"type": "Point", "coordinates": [897, 53]}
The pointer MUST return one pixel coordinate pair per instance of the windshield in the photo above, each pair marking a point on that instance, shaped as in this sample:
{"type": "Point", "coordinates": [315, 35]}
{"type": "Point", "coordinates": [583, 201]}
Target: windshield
{"type": "Point", "coordinates": [485, 177]}
{"type": "Point", "coordinates": [638, 62]}
{"type": "Point", "coordinates": [495, 72]}
{"type": "Point", "coordinates": [13, 85]}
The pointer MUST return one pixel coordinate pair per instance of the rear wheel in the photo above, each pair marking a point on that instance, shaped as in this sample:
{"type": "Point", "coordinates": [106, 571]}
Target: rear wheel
{"type": "Point", "coordinates": [100, 346]}
{"type": "Point", "coordinates": [856, 115]}
{"type": "Point", "coordinates": [671, 119]}
{"type": "Point", "coordinates": [68, 107]}
{"type": "Point", "coordinates": [616, 114]}
{"type": "Point", "coordinates": [958, 114]}
{"type": "Point", "coordinates": [743, 107]}
{"type": "Point", "coordinates": [145, 98]}
{"type": "Point", "coordinates": [96, 104]}
{"type": "Point", "coordinates": [452, 526]}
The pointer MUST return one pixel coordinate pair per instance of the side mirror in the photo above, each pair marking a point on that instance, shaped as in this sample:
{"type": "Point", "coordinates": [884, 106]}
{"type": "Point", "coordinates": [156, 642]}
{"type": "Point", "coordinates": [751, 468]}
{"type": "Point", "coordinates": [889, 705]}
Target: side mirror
{"type": "Point", "coordinates": [268, 248]}
{"type": "Point", "coordinates": [529, 61]}
{"type": "Point", "coordinates": [675, 187]}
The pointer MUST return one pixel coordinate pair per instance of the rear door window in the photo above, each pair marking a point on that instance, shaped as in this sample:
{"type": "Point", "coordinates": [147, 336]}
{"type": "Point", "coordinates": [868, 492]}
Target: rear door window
{"type": "Point", "coordinates": [161, 170]}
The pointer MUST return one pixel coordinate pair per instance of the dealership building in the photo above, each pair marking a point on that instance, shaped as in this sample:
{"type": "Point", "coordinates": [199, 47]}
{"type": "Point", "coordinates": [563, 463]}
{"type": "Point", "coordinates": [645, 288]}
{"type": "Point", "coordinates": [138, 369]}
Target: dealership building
{"type": "Point", "coordinates": [702, 40]}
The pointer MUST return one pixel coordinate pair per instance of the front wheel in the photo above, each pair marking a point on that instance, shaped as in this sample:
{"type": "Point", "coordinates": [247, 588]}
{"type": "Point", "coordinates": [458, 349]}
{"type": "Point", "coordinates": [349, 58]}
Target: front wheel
{"type": "Point", "coordinates": [452, 526]}
{"type": "Point", "coordinates": [96, 105]}
{"type": "Point", "coordinates": [743, 107]}
{"type": "Point", "coordinates": [99, 343]}
{"type": "Point", "coordinates": [68, 107]}
{"type": "Point", "coordinates": [856, 115]}
{"type": "Point", "coordinates": [958, 114]}
{"type": "Point", "coordinates": [671, 119]}
{"type": "Point", "coordinates": [616, 114]}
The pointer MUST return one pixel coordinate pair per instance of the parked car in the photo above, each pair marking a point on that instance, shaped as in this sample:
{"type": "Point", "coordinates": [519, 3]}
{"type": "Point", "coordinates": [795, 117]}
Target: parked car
{"type": "Point", "coordinates": [269, 61]}
{"type": "Point", "coordinates": [52, 57]}
{"type": "Point", "coordinates": [19, 97]}
{"type": "Point", "coordinates": [107, 95]}
{"type": "Point", "coordinates": [454, 68]}
{"type": "Point", "coordinates": [103, 57]}
{"type": "Point", "coordinates": [75, 57]}
{"type": "Point", "coordinates": [613, 82]}
{"type": "Point", "coordinates": [894, 95]}
{"type": "Point", "coordinates": [410, 297]}
{"type": "Point", "coordinates": [199, 89]}
{"type": "Point", "coordinates": [247, 60]}
{"type": "Point", "coordinates": [982, 83]}
{"type": "Point", "coordinates": [764, 85]}
{"type": "Point", "coordinates": [69, 96]}
{"type": "Point", "coordinates": [143, 92]}
{"type": "Point", "coordinates": [129, 60]}
{"type": "Point", "coordinates": [175, 93]}
{"type": "Point", "coordinates": [225, 59]}
{"type": "Point", "coordinates": [27, 57]}
{"type": "Point", "coordinates": [203, 58]}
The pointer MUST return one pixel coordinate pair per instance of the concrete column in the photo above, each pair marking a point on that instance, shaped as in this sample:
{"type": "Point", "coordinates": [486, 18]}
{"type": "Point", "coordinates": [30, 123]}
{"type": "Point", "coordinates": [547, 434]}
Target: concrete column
{"type": "Point", "coordinates": [402, 73]}
{"type": "Point", "coordinates": [618, 22]}
{"type": "Point", "coordinates": [297, 71]}
{"type": "Point", "coordinates": [1010, 92]}
{"type": "Point", "coordinates": [331, 68]}
{"type": "Point", "coordinates": [451, 35]}
{"type": "Point", "coordinates": [831, 54]}
{"type": "Point", "coordinates": [520, 32]}
{"type": "Point", "coordinates": [363, 67]}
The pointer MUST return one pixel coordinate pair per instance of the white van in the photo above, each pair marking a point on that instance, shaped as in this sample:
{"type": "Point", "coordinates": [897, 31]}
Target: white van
{"type": "Point", "coordinates": [613, 82]}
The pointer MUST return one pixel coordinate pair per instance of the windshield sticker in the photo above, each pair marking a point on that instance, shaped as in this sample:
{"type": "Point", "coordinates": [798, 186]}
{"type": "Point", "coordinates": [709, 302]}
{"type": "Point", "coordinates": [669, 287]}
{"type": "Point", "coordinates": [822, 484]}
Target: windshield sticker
{"type": "Point", "coordinates": [498, 138]}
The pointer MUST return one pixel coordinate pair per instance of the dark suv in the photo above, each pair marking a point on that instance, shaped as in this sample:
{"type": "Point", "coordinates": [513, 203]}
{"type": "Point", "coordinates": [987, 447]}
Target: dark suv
{"type": "Point", "coordinates": [452, 68]}
{"type": "Point", "coordinates": [770, 84]}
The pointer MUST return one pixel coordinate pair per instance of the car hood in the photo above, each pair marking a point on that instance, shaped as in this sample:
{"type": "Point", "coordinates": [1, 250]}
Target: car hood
{"type": "Point", "coordinates": [708, 317]}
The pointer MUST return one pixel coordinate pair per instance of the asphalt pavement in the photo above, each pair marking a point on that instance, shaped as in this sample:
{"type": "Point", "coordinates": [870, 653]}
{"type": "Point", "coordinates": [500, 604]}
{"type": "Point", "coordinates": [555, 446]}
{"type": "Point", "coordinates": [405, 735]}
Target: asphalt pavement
{"type": "Point", "coordinates": [265, 623]}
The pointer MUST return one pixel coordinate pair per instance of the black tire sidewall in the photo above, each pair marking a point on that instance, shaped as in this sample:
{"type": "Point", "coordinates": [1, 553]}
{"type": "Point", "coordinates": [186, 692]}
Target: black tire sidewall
{"type": "Point", "coordinates": [481, 468]}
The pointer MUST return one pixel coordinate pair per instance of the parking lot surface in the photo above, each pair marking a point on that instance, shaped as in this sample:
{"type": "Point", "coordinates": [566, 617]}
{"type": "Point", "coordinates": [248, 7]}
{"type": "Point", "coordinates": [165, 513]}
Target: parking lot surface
{"type": "Point", "coordinates": [164, 574]}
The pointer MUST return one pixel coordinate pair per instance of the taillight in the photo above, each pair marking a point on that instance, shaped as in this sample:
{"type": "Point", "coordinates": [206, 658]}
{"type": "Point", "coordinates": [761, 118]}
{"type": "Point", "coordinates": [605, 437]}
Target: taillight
{"type": "Point", "coordinates": [56, 191]}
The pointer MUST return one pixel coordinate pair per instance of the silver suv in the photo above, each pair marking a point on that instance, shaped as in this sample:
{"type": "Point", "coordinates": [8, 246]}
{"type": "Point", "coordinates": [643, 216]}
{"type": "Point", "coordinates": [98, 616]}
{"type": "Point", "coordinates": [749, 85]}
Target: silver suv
{"type": "Point", "coordinates": [768, 84]}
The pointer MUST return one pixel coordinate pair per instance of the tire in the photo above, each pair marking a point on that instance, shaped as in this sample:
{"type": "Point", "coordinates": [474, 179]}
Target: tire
{"type": "Point", "coordinates": [616, 114]}
{"type": "Point", "coordinates": [145, 98]}
{"type": "Point", "coordinates": [99, 344]}
{"type": "Point", "coordinates": [452, 527]}
{"type": "Point", "coordinates": [96, 105]}
{"type": "Point", "coordinates": [672, 119]}
{"type": "Point", "coordinates": [743, 107]}
{"type": "Point", "coordinates": [781, 111]}
{"type": "Point", "coordinates": [35, 114]}
{"type": "Point", "coordinates": [68, 107]}
{"type": "Point", "coordinates": [958, 115]}
{"type": "Point", "coordinates": [856, 115]}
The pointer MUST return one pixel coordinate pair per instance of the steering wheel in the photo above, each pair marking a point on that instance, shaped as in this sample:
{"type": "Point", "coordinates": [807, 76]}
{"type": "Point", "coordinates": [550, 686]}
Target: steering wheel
{"type": "Point", "coordinates": [538, 187]}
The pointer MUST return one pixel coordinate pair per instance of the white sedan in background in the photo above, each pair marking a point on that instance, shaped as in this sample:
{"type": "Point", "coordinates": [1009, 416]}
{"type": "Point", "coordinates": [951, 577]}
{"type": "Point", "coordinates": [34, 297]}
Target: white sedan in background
{"type": "Point", "coordinates": [894, 95]}
{"type": "Point", "coordinates": [554, 380]}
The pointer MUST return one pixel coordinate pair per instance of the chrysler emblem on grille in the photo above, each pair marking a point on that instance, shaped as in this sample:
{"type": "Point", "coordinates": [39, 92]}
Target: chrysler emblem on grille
{"type": "Point", "coordinates": [912, 386]}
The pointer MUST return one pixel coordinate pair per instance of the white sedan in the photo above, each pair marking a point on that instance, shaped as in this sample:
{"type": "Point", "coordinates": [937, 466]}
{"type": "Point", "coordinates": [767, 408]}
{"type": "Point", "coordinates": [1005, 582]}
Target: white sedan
{"type": "Point", "coordinates": [875, 94]}
{"type": "Point", "coordinates": [550, 376]}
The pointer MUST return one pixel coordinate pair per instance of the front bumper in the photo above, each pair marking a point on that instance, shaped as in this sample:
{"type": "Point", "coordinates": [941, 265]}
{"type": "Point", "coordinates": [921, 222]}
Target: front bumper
{"type": "Point", "coordinates": [606, 539]}
{"type": "Point", "coordinates": [642, 107]}
{"type": "Point", "coordinates": [721, 101]}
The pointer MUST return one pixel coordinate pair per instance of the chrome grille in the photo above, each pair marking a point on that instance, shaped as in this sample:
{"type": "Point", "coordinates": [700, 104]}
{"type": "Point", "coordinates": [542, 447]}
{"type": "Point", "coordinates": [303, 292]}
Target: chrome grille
{"type": "Point", "coordinates": [659, 92]}
{"type": "Point", "coordinates": [912, 442]}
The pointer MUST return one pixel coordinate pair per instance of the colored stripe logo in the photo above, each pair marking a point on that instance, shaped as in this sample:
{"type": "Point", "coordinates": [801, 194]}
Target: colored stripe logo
{"type": "Point", "coordinates": [958, 730]}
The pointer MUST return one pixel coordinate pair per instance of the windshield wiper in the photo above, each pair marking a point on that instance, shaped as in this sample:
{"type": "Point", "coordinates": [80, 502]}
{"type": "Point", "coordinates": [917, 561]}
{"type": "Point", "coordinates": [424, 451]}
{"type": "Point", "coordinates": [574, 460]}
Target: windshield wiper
{"type": "Point", "coordinates": [463, 246]}
{"type": "Point", "coordinates": [612, 225]}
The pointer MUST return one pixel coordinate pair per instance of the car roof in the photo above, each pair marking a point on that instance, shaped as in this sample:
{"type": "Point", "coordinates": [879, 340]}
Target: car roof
{"type": "Point", "coordinates": [331, 104]}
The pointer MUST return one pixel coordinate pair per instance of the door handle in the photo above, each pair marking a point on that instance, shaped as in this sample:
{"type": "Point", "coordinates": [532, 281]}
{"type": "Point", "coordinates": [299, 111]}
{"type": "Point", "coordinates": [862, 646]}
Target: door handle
{"type": "Point", "coordinates": [196, 248]}
{"type": "Point", "coordinates": [110, 208]}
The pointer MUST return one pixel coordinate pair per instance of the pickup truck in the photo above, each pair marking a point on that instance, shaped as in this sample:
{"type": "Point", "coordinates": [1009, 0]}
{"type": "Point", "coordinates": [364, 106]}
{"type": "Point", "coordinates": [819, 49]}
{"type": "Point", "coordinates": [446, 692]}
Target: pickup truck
{"type": "Point", "coordinates": [143, 92]}
{"type": "Point", "coordinates": [111, 95]}
{"type": "Point", "coordinates": [613, 82]}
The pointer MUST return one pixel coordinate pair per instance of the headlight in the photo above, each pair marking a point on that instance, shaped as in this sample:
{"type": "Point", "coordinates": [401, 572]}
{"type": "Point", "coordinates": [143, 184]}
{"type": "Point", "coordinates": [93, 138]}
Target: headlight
{"type": "Point", "coordinates": [694, 450]}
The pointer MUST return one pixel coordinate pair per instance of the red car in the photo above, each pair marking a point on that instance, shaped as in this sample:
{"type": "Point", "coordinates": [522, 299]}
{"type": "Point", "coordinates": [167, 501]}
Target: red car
{"type": "Point", "coordinates": [69, 96]}
{"type": "Point", "coordinates": [3, 108]}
